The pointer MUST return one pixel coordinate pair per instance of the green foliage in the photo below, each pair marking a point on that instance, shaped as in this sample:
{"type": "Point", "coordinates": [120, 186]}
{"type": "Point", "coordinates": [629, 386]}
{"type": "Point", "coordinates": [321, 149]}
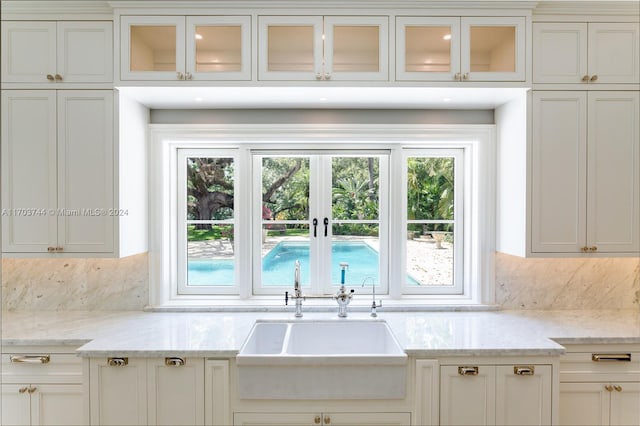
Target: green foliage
{"type": "Point", "coordinates": [430, 191]}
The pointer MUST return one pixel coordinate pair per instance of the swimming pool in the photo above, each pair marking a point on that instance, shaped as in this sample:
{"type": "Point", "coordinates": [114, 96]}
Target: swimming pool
{"type": "Point", "coordinates": [278, 265]}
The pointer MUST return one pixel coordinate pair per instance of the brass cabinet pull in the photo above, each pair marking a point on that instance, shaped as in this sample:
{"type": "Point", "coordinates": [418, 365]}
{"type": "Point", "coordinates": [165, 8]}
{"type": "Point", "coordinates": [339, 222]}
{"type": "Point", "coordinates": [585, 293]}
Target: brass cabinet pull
{"type": "Point", "coordinates": [58, 77]}
{"type": "Point", "coordinates": [465, 76]}
{"type": "Point", "coordinates": [32, 389]}
{"type": "Point", "coordinates": [117, 362]}
{"type": "Point", "coordinates": [609, 388]}
{"type": "Point", "coordinates": [50, 77]}
{"type": "Point", "coordinates": [174, 361]}
{"type": "Point", "coordinates": [22, 390]}
{"type": "Point", "coordinates": [316, 420]}
{"type": "Point", "coordinates": [30, 359]}
{"type": "Point", "coordinates": [524, 370]}
{"type": "Point", "coordinates": [611, 357]}
{"type": "Point", "coordinates": [457, 76]}
{"type": "Point", "coordinates": [468, 371]}
{"type": "Point", "coordinates": [180, 75]}
{"type": "Point", "coordinates": [585, 78]}
{"type": "Point", "coordinates": [593, 249]}
{"type": "Point", "coordinates": [594, 78]}
{"type": "Point", "coordinates": [618, 388]}
{"type": "Point", "coordinates": [327, 420]}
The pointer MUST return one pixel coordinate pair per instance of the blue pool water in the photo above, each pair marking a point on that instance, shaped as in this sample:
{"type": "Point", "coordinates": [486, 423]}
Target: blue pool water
{"type": "Point", "coordinates": [278, 265]}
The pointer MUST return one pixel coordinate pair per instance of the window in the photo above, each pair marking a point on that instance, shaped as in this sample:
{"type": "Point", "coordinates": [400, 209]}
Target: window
{"type": "Point", "coordinates": [409, 216]}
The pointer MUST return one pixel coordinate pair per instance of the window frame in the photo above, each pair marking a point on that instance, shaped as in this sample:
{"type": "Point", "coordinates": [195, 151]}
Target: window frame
{"type": "Point", "coordinates": [478, 140]}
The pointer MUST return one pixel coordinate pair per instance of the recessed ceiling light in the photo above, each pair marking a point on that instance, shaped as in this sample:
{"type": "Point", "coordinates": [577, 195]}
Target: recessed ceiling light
{"type": "Point", "coordinates": [198, 36]}
{"type": "Point", "coordinates": [446, 37]}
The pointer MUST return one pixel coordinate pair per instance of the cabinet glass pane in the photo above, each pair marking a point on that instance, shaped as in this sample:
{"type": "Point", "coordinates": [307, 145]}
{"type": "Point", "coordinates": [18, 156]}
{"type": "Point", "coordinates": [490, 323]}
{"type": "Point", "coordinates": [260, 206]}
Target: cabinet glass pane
{"type": "Point", "coordinates": [218, 48]}
{"type": "Point", "coordinates": [427, 49]}
{"type": "Point", "coordinates": [153, 48]}
{"type": "Point", "coordinates": [290, 48]}
{"type": "Point", "coordinates": [356, 48]}
{"type": "Point", "coordinates": [493, 49]}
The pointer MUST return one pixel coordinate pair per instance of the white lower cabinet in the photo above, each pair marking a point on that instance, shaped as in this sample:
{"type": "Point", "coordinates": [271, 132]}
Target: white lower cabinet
{"type": "Point", "coordinates": [42, 388]}
{"type": "Point", "coordinates": [600, 386]}
{"type": "Point", "coordinates": [158, 391]}
{"type": "Point", "coordinates": [495, 394]}
{"type": "Point", "coordinates": [321, 418]}
{"type": "Point", "coordinates": [42, 404]}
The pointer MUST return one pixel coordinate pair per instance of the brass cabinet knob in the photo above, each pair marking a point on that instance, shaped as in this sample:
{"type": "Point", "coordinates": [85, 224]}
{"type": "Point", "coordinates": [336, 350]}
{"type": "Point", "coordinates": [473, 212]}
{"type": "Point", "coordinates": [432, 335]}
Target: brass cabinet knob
{"type": "Point", "coordinates": [593, 249]}
{"type": "Point", "coordinates": [58, 77]}
{"type": "Point", "coordinates": [465, 76]}
{"type": "Point", "coordinates": [32, 389]}
{"type": "Point", "coordinates": [457, 76]}
{"type": "Point", "coordinates": [585, 78]}
{"type": "Point", "coordinates": [594, 78]}
{"type": "Point", "coordinates": [327, 420]}
{"type": "Point", "coordinates": [50, 77]}
{"type": "Point", "coordinates": [22, 390]}
{"type": "Point", "coordinates": [618, 388]}
{"type": "Point", "coordinates": [609, 388]}
{"type": "Point", "coordinates": [316, 420]}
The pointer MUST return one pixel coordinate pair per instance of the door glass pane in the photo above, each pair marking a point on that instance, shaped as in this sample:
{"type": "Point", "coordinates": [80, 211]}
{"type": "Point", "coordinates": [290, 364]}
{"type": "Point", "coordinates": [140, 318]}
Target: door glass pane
{"type": "Point", "coordinates": [355, 196]}
{"type": "Point", "coordinates": [210, 214]}
{"type": "Point", "coordinates": [493, 49]}
{"type": "Point", "coordinates": [290, 48]}
{"type": "Point", "coordinates": [153, 48]}
{"type": "Point", "coordinates": [356, 48]}
{"type": "Point", "coordinates": [430, 217]}
{"type": "Point", "coordinates": [285, 220]}
{"type": "Point", "coordinates": [218, 48]}
{"type": "Point", "coordinates": [427, 49]}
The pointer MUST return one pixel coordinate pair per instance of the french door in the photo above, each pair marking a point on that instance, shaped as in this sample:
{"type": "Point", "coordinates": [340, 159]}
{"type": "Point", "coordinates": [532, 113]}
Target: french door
{"type": "Point", "coordinates": [324, 209]}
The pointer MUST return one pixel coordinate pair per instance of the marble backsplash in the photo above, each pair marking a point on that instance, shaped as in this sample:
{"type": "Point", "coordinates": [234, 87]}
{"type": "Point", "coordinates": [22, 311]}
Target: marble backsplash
{"type": "Point", "coordinates": [123, 284]}
{"type": "Point", "coordinates": [75, 284]}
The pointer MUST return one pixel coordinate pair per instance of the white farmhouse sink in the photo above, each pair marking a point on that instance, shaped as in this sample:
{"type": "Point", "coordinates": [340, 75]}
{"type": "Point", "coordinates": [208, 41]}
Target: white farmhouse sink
{"type": "Point", "coordinates": [333, 359]}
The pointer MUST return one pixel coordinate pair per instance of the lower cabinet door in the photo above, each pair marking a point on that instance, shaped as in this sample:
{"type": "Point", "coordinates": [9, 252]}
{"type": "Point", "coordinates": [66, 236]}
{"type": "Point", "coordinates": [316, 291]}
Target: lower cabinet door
{"type": "Point", "coordinates": [625, 404]}
{"type": "Point", "coordinates": [57, 405]}
{"type": "Point", "coordinates": [16, 405]}
{"type": "Point", "coordinates": [584, 404]}
{"type": "Point", "coordinates": [323, 419]}
{"type": "Point", "coordinates": [467, 395]}
{"type": "Point", "coordinates": [118, 391]}
{"type": "Point", "coordinates": [523, 395]}
{"type": "Point", "coordinates": [176, 391]}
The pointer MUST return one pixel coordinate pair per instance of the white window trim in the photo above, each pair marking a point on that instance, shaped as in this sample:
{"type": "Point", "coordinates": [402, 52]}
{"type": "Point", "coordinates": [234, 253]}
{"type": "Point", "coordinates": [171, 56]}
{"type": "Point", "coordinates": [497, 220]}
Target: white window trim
{"type": "Point", "coordinates": [163, 140]}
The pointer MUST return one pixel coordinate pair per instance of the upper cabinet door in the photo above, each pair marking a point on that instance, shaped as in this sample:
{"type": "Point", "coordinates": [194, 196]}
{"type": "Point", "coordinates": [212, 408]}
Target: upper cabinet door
{"type": "Point", "coordinates": [614, 53]}
{"type": "Point", "coordinates": [493, 49]}
{"type": "Point", "coordinates": [218, 48]}
{"type": "Point", "coordinates": [427, 49]}
{"type": "Point", "coordinates": [317, 48]}
{"type": "Point", "coordinates": [560, 53]}
{"type": "Point", "coordinates": [63, 52]}
{"type": "Point", "coordinates": [152, 47]}
{"type": "Point", "coordinates": [290, 48]}
{"type": "Point", "coordinates": [29, 51]}
{"type": "Point", "coordinates": [613, 172]}
{"type": "Point", "coordinates": [356, 48]}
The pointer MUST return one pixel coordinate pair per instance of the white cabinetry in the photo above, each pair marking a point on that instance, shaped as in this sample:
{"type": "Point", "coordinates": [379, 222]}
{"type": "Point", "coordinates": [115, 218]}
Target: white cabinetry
{"type": "Point", "coordinates": [600, 387]}
{"type": "Point", "coordinates": [495, 394]}
{"type": "Point", "coordinates": [594, 53]}
{"type": "Point", "coordinates": [174, 48]}
{"type": "Point", "coordinates": [322, 418]}
{"type": "Point", "coordinates": [585, 172]}
{"type": "Point", "coordinates": [42, 389]}
{"type": "Point", "coordinates": [57, 171]}
{"type": "Point", "coordinates": [57, 52]}
{"type": "Point", "coordinates": [460, 49]}
{"type": "Point", "coordinates": [323, 48]}
{"type": "Point", "coordinates": [154, 391]}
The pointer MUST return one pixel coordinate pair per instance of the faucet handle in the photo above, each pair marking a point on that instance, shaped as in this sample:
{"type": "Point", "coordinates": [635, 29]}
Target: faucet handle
{"type": "Point", "coordinates": [286, 298]}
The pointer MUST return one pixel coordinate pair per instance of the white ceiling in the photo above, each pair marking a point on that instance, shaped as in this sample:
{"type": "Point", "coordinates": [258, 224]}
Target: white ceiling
{"type": "Point", "coordinates": [321, 97]}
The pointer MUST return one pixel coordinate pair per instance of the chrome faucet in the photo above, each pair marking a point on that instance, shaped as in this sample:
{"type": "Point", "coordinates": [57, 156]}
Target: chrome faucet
{"type": "Point", "coordinates": [342, 296]}
{"type": "Point", "coordinates": [374, 305]}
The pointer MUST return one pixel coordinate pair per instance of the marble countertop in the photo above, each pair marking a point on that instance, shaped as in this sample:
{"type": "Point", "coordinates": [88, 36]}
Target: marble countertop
{"type": "Point", "coordinates": [496, 333]}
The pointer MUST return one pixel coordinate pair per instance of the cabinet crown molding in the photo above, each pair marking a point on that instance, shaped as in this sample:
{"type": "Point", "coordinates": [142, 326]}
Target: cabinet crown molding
{"type": "Point", "coordinates": [56, 10]}
{"type": "Point", "coordinates": [611, 8]}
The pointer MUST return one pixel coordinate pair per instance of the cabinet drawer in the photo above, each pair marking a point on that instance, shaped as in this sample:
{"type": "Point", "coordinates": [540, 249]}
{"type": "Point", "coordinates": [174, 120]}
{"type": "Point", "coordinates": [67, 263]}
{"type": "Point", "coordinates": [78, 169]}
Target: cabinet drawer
{"type": "Point", "coordinates": [41, 368]}
{"type": "Point", "coordinates": [601, 365]}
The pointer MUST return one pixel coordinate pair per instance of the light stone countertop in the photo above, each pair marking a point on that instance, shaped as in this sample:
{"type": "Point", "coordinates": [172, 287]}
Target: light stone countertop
{"type": "Point", "coordinates": [207, 334]}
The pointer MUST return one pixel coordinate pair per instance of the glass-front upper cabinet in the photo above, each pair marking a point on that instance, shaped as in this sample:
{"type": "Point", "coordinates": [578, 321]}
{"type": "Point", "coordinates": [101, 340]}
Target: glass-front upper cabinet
{"type": "Point", "coordinates": [186, 48]}
{"type": "Point", "coordinates": [460, 49]}
{"type": "Point", "coordinates": [323, 48]}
